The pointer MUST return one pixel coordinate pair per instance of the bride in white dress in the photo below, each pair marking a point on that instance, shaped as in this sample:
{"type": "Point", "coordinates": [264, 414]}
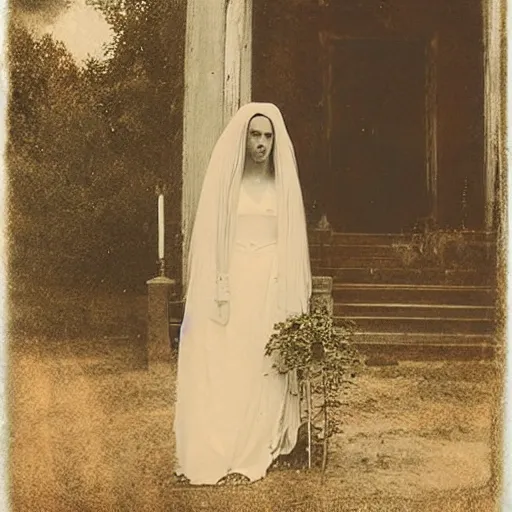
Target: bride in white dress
{"type": "Point", "coordinates": [248, 269]}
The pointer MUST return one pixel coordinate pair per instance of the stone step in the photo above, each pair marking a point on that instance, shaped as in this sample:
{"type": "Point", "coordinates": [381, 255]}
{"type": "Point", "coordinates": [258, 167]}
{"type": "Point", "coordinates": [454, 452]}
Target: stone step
{"type": "Point", "coordinates": [349, 250]}
{"type": "Point", "coordinates": [425, 346]}
{"type": "Point", "coordinates": [319, 236]}
{"type": "Point", "coordinates": [432, 325]}
{"type": "Point", "coordinates": [397, 275]}
{"type": "Point", "coordinates": [365, 262]}
{"type": "Point", "coordinates": [374, 251]}
{"type": "Point", "coordinates": [414, 311]}
{"type": "Point", "coordinates": [413, 294]}
{"type": "Point", "coordinates": [479, 257]}
{"type": "Point", "coordinates": [335, 238]}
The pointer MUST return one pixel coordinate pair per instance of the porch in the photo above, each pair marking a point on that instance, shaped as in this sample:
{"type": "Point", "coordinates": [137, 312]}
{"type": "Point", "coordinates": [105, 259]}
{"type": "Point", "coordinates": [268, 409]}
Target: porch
{"type": "Point", "coordinates": [392, 108]}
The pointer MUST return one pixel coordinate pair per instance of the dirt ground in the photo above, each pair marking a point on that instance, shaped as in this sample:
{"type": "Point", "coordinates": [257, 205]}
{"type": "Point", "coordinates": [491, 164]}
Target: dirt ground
{"type": "Point", "coordinates": [92, 431]}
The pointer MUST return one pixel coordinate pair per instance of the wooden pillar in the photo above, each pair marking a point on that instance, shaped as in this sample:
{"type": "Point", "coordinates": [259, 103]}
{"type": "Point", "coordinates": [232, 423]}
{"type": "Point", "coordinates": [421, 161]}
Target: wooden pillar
{"type": "Point", "coordinates": [203, 100]}
{"type": "Point", "coordinates": [494, 45]}
{"type": "Point", "coordinates": [237, 56]}
{"type": "Point", "coordinates": [495, 69]}
{"type": "Point", "coordinates": [217, 81]}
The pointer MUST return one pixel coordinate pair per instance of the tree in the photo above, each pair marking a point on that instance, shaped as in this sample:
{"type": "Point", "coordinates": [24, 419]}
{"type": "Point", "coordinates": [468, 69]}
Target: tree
{"type": "Point", "coordinates": [144, 98]}
{"type": "Point", "coordinates": [87, 145]}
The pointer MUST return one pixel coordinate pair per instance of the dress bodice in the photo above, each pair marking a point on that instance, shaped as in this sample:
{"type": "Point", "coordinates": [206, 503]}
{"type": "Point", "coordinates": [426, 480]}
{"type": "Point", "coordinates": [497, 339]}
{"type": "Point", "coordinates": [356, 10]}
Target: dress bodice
{"type": "Point", "coordinates": [256, 220]}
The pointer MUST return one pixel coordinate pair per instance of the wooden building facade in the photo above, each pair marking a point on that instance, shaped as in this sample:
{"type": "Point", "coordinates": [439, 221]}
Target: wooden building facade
{"type": "Point", "coordinates": [394, 110]}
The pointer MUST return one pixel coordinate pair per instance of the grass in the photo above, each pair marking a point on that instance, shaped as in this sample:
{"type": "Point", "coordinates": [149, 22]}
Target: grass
{"type": "Point", "coordinates": [91, 430]}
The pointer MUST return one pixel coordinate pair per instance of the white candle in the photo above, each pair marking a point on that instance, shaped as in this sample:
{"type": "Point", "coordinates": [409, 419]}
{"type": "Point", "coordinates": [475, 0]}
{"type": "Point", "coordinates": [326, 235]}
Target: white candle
{"type": "Point", "coordinates": [161, 229]}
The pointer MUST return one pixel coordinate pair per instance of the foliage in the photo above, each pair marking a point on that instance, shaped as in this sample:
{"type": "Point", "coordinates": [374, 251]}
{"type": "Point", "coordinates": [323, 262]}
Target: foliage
{"type": "Point", "coordinates": [430, 246]}
{"type": "Point", "coordinates": [48, 8]}
{"type": "Point", "coordinates": [87, 145]}
{"type": "Point", "coordinates": [325, 361]}
{"type": "Point", "coordinates": [144, 84]}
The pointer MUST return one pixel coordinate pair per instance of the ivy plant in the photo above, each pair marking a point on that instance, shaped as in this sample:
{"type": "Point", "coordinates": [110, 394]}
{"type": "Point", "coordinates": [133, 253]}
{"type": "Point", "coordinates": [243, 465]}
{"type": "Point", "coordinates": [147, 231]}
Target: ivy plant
{"type": "Point", "coordinates": [326, 363]}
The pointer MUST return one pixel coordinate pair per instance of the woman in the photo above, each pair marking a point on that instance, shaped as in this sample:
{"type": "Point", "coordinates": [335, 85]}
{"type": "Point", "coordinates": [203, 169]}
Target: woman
{"type": "Point", "coordinates": [248, 269]}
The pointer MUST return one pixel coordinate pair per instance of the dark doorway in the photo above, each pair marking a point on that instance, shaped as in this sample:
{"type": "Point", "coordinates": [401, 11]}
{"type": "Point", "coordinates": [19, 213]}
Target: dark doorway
{"type": "Point", "coordinates": [375, 98]}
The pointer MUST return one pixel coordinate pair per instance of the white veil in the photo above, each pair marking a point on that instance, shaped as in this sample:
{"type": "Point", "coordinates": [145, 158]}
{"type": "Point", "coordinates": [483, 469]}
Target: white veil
{"type": "Point", "coordinates": [214, 227]}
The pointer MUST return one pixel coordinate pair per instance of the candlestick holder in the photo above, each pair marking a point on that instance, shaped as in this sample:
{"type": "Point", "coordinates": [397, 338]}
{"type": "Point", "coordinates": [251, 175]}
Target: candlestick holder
{"type": "Point", "coordinates": [161, 267]}
{"type": "Point", "coordinates": [161, 188]}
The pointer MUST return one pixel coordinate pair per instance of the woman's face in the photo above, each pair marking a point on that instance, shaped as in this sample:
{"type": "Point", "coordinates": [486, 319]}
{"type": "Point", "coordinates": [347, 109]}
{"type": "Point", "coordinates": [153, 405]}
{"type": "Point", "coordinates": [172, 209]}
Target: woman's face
{"type": "Point", "coordinates": [260, 139]}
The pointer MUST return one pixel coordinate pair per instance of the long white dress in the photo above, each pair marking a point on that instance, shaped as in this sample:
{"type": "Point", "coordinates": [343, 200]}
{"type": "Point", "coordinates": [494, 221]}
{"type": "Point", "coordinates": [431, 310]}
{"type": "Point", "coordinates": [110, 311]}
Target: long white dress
{"type": "Point", "coordinates": [236, 414]}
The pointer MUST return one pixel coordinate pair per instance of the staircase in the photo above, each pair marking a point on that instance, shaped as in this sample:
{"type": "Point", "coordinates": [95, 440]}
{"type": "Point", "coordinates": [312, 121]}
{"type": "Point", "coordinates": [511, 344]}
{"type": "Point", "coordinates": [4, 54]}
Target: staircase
{"type": "Point", "coordinates": [407, 306]}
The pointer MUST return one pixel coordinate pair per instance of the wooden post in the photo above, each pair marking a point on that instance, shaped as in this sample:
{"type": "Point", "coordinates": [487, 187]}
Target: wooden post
{"type": "Point", "coordinates": [494, 83]}
{"type": "Point", "coordinates": [237, 56]}
{"type": "Point", "coordinates": [496, 68]}
{"type": "Point", "coordinates": [321, 296]}
{"type": "Point", "coordinates": [309, 401]}
{"type": "Point", "coordinates": [217, 81]}
{"type": "Point", "coordinates": [203, 102]}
